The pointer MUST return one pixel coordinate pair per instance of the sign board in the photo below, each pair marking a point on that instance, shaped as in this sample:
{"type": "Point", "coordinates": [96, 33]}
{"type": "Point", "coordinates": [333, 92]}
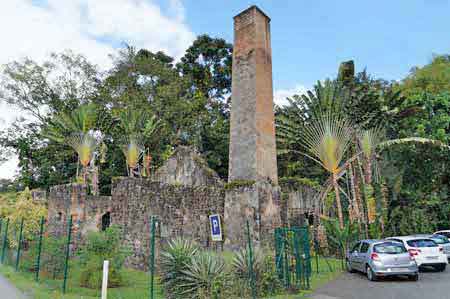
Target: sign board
{"type": "Point", "coordinates": [216, 228]}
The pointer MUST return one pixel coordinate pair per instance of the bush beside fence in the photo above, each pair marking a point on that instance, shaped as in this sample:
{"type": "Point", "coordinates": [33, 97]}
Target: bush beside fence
{"type": "Point", "coordinates": [70, 266]}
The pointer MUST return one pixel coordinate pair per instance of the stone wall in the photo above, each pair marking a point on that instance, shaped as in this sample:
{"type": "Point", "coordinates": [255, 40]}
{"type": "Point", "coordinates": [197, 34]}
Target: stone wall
{"type": "Point", "coordinates": [182, 194]}
{"type": "Point", "coordinates": [257, 202]}
{"type": "Point", "coordinates": [86, 210]}
{"type": "Point", "coordinates": [181, 210]}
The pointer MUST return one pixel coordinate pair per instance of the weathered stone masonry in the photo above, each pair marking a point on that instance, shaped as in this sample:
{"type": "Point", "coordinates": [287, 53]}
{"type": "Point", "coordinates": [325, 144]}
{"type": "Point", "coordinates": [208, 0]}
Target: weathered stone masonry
{"type": "Point", "coordinates": [182, 211]}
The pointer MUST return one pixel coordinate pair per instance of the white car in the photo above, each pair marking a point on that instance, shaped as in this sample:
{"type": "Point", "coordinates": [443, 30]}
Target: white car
{"type": "Point", "coordinates": [445, 233]}
{"type": "Point", "coordinates": [425, 251]}
{"type": "Point", "coordinates": [442, 241]}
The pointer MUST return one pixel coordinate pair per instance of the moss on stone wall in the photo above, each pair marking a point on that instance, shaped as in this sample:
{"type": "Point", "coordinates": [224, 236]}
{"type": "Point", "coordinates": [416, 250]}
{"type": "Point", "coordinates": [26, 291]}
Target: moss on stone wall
{"type": "Point", "coordinates": [293, 183]}
{"type": "Point", "coordinates": [238, 184]}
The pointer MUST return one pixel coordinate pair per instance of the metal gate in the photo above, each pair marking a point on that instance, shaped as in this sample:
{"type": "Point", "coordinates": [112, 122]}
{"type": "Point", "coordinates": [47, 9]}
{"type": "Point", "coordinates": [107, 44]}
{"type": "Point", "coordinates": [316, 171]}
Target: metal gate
{"type": "Point", "coordinates": [292, 256]}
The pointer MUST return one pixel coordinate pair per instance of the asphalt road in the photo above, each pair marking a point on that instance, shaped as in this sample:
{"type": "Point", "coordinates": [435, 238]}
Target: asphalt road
{"type": "Point", "coordinates": [431, 285]}
{"type": "Point", "coordinates": [8, 291]}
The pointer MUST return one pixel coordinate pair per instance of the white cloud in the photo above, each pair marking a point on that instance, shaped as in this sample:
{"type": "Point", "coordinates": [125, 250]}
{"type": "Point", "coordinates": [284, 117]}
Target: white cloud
{"type": "Point", "coordinates": [90, 27]}
{"type": "Point", "coordinates": [280, 95]}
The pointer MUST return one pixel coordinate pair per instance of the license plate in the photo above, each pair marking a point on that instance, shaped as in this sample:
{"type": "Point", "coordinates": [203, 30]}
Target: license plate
{"type": "Point", "coordinates": [399, 269]}
{"type": "Point", "coordinates": [432, 257]}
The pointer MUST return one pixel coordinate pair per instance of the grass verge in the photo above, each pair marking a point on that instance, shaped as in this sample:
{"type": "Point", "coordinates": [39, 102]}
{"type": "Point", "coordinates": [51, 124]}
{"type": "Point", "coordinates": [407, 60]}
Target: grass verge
{"type": "Point", "coordinates": [136, 286]}
{"type": "Point", "coordinates": [137, 283]}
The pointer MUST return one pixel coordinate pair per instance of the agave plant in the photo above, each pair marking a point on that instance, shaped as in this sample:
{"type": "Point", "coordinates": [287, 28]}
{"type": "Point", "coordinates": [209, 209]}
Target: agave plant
{"type": "Point", "coordinates": [241, 263]}
{"type": "Point", "coordinates": [203, 276]}
{"type": "Point", "coordinates": [174, 261]}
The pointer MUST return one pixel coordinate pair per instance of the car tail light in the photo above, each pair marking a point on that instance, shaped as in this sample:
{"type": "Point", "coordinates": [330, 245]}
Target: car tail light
{"type": "Point", "coordinates": [414, 251]}
{"type": "Point", "coordinates": [374, 257]}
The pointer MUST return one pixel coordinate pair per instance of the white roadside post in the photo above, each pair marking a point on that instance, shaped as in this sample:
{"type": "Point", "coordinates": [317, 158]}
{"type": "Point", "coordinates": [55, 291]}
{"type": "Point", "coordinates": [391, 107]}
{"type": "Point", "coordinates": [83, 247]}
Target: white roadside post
{"type": "Point", "coordinates": [105, 279]}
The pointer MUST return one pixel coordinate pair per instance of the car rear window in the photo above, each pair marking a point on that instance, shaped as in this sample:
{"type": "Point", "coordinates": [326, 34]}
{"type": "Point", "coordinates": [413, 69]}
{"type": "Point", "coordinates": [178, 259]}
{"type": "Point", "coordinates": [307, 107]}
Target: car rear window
{"type": "Point", "coordinates": [440, 239]}
{"type": "Point", "coordinates": [389, 248]}
{"type": "Point", "coordinates": [422, 243]}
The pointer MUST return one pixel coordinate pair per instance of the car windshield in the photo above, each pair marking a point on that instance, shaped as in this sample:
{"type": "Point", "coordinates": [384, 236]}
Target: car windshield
{"type": "Point", "coordinates": [389, 248]}
{"type": "Point", "coordinates": [422, 243]}
{"type": "Point", "coordinates": [440, 239]}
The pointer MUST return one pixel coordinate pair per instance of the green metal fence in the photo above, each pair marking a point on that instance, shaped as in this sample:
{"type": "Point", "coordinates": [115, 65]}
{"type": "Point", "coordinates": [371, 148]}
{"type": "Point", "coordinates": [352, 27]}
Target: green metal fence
{"type": "Point", "coordinates": [293, 257]}
{"type": "Point", "coordinates": [54, 262]}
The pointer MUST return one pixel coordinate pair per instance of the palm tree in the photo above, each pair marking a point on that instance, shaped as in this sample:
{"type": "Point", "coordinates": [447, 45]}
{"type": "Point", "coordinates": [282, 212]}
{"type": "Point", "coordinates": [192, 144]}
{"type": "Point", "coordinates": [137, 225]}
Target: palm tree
{"type": "Point", "coordinates": [136, 127]}
{"type": "Point", "coordinates": [75, 130]}
{"type": "Point", "coordinates": [327, 139]}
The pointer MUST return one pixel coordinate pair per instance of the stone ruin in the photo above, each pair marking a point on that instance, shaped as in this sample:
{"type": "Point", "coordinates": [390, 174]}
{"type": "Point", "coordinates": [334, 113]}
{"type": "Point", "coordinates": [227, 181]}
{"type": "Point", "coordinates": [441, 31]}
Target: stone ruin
{"type": "Point", "coordinates": [184, 192]}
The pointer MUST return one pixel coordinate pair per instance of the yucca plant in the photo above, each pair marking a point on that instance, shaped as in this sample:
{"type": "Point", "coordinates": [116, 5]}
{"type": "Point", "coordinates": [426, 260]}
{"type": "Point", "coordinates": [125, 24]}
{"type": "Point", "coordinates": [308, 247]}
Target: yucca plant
{"type": "Point", "coordinates": [203, 277]}
{"type": "Point", "coordinates": [241, 263]}
{"type": "Point", "coordinates": [175, 259]}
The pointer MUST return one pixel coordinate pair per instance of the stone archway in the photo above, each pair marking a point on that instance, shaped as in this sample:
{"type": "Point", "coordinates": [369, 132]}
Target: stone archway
{"type": "Point", "coordinates": [106, 221]}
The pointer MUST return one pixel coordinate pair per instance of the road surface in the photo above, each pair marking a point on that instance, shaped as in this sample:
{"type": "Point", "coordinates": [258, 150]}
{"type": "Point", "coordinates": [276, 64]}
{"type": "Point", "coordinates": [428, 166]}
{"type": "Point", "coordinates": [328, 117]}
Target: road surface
{"type": "Point", "coordinates": [8, 291]}
{"type": "Point", "coordinates": [431, 285]}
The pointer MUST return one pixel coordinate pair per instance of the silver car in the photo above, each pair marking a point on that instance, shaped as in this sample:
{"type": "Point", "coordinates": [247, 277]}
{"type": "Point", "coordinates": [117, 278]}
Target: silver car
{"type": "Point", "coordinates": [380, 258]}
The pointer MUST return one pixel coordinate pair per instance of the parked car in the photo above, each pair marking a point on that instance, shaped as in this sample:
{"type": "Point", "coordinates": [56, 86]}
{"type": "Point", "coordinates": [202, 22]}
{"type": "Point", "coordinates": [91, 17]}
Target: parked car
{"type": "Point", "coordinates": [425, 251]}
{"type": "Point", "coordinates": [378, 258]}
{"type": "Point", "coordinates": [442, 241]}
{"type": "Point", "coordinates": [445, 233]}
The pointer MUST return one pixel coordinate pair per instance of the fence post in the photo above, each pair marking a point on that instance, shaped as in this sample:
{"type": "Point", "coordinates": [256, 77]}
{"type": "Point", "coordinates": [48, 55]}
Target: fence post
{"type": "Point", "coordinates": [38, 258]}
{"type": "Point", "coordinates": [66, 263]}
{"type": "Point", "coordinates": [152, 256]}
{"type": "Point", "coordinates": [19, 245]}
{"type": "Point", "coordinates": [5, 241]}
{"type": "Point", "coordinates": [105, 279]}
{"type": "Point", "coordinates": [250, 264]}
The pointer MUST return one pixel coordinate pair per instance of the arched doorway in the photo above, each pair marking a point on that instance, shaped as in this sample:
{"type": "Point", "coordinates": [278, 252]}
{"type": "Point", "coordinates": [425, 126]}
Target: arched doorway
{"type": "Point", "coordinates": [106, 220]}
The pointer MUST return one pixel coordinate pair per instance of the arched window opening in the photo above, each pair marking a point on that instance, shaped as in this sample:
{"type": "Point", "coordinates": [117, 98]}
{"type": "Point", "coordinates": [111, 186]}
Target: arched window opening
{"type": "Point", "coordinates": [106, 220]}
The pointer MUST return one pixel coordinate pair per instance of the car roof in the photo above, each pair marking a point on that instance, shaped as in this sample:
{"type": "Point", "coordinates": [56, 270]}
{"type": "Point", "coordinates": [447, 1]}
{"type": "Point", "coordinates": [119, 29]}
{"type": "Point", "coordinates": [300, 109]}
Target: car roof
{"type": "Point", "coordinates": [443, 231]}
{"type": "Point", "coordinates": [370, 241]}
{"type": "Point", "coordinates": [412, 237]}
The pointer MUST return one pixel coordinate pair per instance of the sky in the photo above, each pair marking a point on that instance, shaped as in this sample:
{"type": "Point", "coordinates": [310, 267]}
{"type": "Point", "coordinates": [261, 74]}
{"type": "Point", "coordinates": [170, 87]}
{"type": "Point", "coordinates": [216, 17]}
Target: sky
{"type": "Point", "coordinates": [309, 37]}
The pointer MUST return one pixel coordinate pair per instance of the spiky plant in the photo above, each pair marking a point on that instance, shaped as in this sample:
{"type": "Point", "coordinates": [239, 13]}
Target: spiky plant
{"type": "Point", "coordinates": [241, 263]}
{"type": "Point", "coordinates": [174, 260]}
{"type": "Point", "coordinates": [203, 276]}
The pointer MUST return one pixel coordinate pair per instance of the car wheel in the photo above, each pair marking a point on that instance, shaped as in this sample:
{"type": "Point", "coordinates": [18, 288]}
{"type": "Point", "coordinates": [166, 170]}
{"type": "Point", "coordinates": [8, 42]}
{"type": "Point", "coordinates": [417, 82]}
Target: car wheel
{"type": "Point", "coordinates": [414, 277]}
{"type": "Point", "coordinates": [349, 267]}
{"type": "Point", "coordinates": [440, 268]}
{"type": "Point", "coordinates": [370, 275]}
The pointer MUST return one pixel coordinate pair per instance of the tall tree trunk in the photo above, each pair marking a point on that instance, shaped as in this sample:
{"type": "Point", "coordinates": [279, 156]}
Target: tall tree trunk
{"type": "Point", "coordinates": [355, 196]}
{"type": "Point", "coordinates": [338, 201]}
{"type": "Point", "coordinates": [364, 195]}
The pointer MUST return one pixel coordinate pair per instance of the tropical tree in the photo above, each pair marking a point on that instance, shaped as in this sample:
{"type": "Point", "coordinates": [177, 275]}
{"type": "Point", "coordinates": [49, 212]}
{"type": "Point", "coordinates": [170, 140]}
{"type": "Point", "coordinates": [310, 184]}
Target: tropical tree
{"type": "Point", "coordinates": [327, 139]}
{"type": "Point", "coordinates": [136, 127]}
{"type": "Point", "coordinates": [76, 130]}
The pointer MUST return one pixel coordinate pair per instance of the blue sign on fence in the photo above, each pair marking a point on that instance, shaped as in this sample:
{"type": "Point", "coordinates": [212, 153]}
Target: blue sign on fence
{"type": "Point", "coordinates": [216, 228]}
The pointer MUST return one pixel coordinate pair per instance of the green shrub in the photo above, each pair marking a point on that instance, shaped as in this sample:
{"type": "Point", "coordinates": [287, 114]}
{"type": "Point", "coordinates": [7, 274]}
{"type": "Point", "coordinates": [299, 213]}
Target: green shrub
{"type": "Point", "coordinates": [204, 277]}
{"type": "Point", "coordinates": [174, 261]}
{"type": "Point", "coordinates": [102, 246]}
{"type": "Point", "coordinates": [266, 278]}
